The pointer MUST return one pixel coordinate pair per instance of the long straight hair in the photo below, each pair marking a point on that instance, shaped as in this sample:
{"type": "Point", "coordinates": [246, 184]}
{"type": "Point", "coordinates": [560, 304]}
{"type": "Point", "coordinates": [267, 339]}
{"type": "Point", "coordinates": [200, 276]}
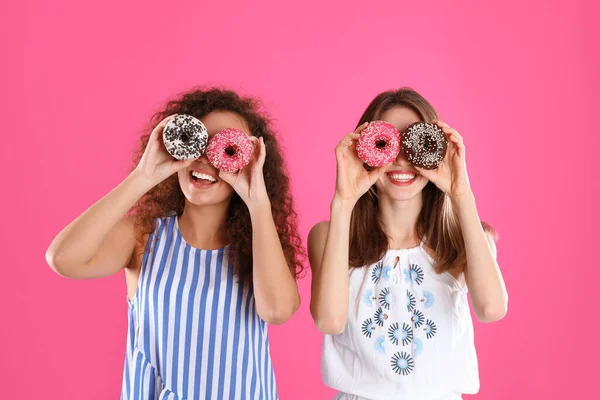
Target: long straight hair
{"type": "Point", "coordinates": [437, 223]}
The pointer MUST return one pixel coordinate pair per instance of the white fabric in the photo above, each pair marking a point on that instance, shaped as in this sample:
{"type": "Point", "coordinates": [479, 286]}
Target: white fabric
{"type": "Point", "coordinates": [346, 396]}
{"type": "Point", "coordinates": [409, 334]}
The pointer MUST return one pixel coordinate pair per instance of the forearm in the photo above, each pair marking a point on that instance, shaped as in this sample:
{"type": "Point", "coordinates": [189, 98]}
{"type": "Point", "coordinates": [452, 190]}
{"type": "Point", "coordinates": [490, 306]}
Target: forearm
{"type": "Point", "coordinates": [483, 276]}
{"type": "Point", "coordinates": [79, 241]}
{"type": "Point", "coordinates": [275, 289]}
{"type": "Point", "coordinates": [329, 304]}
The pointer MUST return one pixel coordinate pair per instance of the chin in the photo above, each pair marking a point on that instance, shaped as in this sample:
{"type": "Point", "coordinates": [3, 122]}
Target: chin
{"type": "Point", "coordinates": [407, 196]}
{"type": "Point", "coordinates": [203, 199]}
{"type": "Point", "coordinates": [206, 195]}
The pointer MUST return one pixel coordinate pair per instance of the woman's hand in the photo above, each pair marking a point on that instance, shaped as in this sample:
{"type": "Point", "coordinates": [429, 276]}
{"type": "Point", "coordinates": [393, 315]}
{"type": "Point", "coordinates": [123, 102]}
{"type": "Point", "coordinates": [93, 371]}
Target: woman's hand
{"type": "Point", "coordinates": [451, 175]}
{"type": "Point", "coordinates": [156, 163]}
{"type": "Point", "coordinates": [249, 182]}
{"type": "Point", "coordinates": [353, 180]}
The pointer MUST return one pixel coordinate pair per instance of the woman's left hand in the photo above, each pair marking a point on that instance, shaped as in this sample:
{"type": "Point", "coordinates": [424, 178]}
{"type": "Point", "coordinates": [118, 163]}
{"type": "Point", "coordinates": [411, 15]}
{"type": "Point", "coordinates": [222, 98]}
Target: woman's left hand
{"type": "Point", "coordinates": [451, 175]}
{"type": "Point", "coordinates": [249, 182]}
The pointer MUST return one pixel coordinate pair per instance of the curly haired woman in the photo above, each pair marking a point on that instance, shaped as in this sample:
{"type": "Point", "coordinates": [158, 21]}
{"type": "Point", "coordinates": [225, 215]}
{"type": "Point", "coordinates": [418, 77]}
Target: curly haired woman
{"type": "Point", "coordinates": [210, 258]}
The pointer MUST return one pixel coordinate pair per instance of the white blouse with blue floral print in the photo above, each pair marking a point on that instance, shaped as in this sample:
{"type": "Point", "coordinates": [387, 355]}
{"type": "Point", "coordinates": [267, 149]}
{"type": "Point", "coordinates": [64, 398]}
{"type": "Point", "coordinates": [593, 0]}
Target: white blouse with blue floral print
{"type": "Point", "coordinates": [409, 333]}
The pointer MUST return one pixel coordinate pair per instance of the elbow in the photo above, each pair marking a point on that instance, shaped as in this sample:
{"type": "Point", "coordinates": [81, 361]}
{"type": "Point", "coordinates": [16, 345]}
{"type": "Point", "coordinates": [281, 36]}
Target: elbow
{"type": "Point", "coordinates": [58, 263]}
{"type": "Point", "coordinates": [54, 261]}
{"type": "Point", "coordinates": [278, 315]}
{"type": "Point", "coordinates": [329, 324]}
{"type": "Point", "coordinates": [330, 327]}
{"type": "Point", "coordinates": [492, 313]}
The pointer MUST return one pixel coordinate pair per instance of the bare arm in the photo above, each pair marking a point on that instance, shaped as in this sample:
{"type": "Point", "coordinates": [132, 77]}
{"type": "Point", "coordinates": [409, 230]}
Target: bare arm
{"type": "Point", "coordinates": [482, 273]}
{"type": "Point", "coordinates": [328, 243]}
{"type": "Point", "coordinates": [328, 250]}
{"type": "Point", "coordinates": [101, 241]}
{"type": "Point", "coordinates": [275, 289]}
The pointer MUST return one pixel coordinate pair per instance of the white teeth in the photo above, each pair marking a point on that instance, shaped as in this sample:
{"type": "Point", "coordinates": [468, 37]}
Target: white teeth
{"type": "Point", "coordinates": [402, 177]}
{"type": "Point", "coordinates": [206, 177]}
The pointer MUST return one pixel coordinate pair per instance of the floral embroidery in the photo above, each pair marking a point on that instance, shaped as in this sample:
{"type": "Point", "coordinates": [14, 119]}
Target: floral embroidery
{"type": "Point", "coordinates": [428, 299]}
{"type": "Point", "coordinates": [410, 301]}
{"type": "Point", "coordinates": [402, 363]}
{"type": "Point", "coordinates": [385, 298]}
{"type": "Point", "coordinates": [417, 318]}
{"type": "Point", "coordinates": [368, 297]}
{"type": "Point", "coordinates": [430, 329]}
{"type": "Point", "coordinates": [379, 344]}
{"type": "Point", "coordinates": [368, 327]}
{"type": "Point", "coordinates": [376, 274]}
{"type": "Point", "coordinates": [414, 273]}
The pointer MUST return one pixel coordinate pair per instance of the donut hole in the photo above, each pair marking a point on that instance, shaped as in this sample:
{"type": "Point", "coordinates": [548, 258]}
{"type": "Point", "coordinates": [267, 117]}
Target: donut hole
{"type": "Point", "coordinates": [380, 144]}
{"type": "Point", "coordinates": [231, 151]}
{"type": "Point", "coordinates": [429, 145]}
{"type": "Point", "coordinates": [185, 138]}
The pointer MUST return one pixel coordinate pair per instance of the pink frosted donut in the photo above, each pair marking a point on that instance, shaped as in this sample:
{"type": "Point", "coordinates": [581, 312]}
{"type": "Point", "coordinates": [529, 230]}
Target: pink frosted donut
{"type": "Point", "coordinates": [229, 150]}
{"type": "Point", "coordinates": [378, 144]}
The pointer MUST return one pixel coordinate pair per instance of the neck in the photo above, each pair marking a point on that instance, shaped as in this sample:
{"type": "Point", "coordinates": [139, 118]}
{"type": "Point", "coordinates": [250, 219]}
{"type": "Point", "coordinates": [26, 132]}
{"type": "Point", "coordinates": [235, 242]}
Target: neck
{"type": "Point", "coordinates": [204, 227]}
{"type": "Point", "coordinates": [399, 220]}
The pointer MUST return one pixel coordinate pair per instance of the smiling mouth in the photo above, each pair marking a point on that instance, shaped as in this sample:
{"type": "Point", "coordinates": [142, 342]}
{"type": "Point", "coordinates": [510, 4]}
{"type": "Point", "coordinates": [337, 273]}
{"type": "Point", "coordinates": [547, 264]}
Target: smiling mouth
{"type": "Point", "coordinates": [199, 177]}
{"type": "Point", "coordinates": [402, 178]}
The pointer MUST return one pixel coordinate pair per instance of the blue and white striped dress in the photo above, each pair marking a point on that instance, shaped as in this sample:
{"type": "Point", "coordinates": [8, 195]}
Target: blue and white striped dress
{"type": "Point", "coordinates": [194, 332]}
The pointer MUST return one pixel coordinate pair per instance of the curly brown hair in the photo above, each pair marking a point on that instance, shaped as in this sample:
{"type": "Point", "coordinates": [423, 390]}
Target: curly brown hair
{"type": "Point", "coordinates": [167, 197]}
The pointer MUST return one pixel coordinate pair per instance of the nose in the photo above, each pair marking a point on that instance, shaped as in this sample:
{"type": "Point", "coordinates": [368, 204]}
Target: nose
{"type": "Point", "coordinates": [202, 159]}
{"type": "Point", "coordinates": [401, 159]}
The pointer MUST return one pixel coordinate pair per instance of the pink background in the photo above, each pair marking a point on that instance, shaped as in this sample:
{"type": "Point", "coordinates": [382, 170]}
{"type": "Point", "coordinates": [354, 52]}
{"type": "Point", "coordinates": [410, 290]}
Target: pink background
{"type": "Point", "coordinates": [517, 78]}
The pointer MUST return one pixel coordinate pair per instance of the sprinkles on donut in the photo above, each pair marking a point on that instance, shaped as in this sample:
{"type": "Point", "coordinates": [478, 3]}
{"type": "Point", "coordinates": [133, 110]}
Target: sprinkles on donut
{"type": "Point", "coordinates": [229, 150]}
{"type": "Point", "coordinates": [424, 145]}
{"type": "Point", "coordinates": [185, 137]}
{"type": "Point", "coordinates": [378, 144]}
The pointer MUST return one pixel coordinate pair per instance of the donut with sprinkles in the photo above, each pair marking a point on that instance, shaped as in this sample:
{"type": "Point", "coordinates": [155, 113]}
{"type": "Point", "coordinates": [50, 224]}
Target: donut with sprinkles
{"type": "Point", "coordinates": [185, 137]}
{"type": "Point", "coordinates": [229, 150]}
{"type": "Point", "coordinates": [424, 145]}
{"type": "Point", "coordinates": [378, 144]}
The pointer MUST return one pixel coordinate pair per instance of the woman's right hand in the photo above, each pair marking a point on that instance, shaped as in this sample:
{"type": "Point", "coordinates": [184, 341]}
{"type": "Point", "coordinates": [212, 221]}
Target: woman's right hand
{"type": "Point", "coordinates": [353, 180]}
{"type": "Point", "coordinates": [156, 163]}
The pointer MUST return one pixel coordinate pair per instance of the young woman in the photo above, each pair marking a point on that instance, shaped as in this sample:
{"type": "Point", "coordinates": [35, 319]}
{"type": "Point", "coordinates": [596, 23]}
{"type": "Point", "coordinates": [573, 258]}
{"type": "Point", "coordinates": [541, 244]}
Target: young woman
{"type": "Point", "coordinates": [392, 267]}
{"type": "Point", "coordinates": [210, 259]}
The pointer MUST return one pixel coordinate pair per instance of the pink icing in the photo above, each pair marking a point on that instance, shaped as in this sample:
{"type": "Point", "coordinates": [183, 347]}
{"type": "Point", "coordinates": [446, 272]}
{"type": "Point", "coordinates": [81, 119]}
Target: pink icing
{"type": "Point", "coordinates": [384, 133]}
{"type": "Point", "coordinates": [232, 140]}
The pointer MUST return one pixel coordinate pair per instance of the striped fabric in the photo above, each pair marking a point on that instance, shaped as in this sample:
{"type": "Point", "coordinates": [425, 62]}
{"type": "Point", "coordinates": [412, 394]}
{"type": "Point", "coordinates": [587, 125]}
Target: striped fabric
{"type": "Point", "coordinates": [193, 328]}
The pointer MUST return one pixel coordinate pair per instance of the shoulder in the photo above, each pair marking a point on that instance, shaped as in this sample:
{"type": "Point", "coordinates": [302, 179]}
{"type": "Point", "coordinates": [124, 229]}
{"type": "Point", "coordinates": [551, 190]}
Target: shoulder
{"type": "Point", "coordinates": [318, 232]}
{"type": "Point", "coordinates": [491, 237]}
{"type": "Point", "coordinates": [490, 233]}
{"type": "Point", "coordinates": [316, 242]}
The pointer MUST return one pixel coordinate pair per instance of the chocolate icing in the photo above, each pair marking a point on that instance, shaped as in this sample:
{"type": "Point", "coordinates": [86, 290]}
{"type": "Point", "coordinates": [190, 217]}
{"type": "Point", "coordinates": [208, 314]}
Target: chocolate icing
{"type": "Point", "coordinates": [185, 137]}
{"type": "Point", "coordinates": [424, 145]}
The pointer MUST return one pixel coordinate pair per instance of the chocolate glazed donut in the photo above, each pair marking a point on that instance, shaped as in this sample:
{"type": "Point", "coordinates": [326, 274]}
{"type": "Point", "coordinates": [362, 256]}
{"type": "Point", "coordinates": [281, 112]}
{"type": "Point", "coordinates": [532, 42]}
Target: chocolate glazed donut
{"type": "Point", "coordinates": [185, 137]}
{"type": "Point", "coordinates": [424, 145]}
